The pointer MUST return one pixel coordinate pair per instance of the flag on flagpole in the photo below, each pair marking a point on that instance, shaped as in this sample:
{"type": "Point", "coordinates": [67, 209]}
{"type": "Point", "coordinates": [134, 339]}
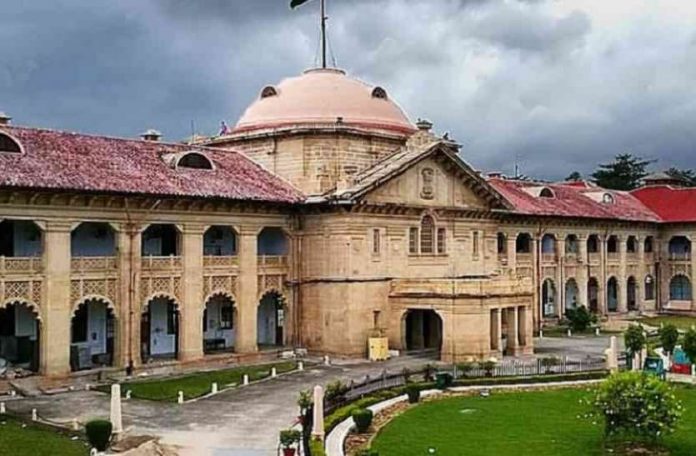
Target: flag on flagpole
{"type": "Point", "coordinates": [295, 3]}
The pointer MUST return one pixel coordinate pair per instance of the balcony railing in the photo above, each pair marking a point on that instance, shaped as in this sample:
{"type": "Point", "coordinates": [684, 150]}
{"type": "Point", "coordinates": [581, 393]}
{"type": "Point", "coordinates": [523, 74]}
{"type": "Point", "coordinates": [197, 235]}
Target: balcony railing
{"type": "Point", "coordinates": [277, 261]}
{"type": "Point", "coordinates": [161, 263]}
{"type": "Point", "coordinates": [21, 265]}
{"type": "Point", "coordinates": [220, 261]}
{"type": "Point", "coordinates": [89, 264]}
{"type": "Point", "coordinates": [680, 256]}
{"type": "Point", "coordinates": [548, 257]}
{"type": "Point", "coordinates": [613, 256]}
{"type": "Point", "coordinates": [593, 257]}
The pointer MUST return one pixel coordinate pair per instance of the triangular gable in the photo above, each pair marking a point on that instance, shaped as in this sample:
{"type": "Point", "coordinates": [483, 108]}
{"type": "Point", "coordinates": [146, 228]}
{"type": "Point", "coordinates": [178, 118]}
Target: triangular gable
{"type": "Point", "coordinates": [430, 175]}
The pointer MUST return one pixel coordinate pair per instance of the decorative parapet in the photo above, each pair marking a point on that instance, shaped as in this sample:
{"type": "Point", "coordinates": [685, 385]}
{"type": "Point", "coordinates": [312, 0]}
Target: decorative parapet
{"type": "Point", "coordinates": [156, 263]}
{"type": "Point", "coordinates": [220, 262]}
{"type": "Point", "coordinates": [165, 286]}
{"type": "Point", "coordinates": [92, 264]}
{"type": "Point", "coordinates": [226, 284]}
{"type": "Point", "coordinates": [462, 287]}
{"type": "Point", "coordinates": [21, 290]}
{"type": "Point", "coordinates": [81, 289]}
{"type": "Point", "coordinates": [268, 283]}
{"type": "Point", "coordinates": [21, 265]}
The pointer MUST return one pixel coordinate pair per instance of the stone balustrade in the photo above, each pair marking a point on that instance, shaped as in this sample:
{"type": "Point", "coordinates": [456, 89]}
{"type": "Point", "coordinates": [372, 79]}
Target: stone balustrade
{"type": "Point", "coordinates": [21, 265]}
{"type": "Point", "coordinates": [157, 263]}
{"type": "Point", "coordinates": [93, 264]}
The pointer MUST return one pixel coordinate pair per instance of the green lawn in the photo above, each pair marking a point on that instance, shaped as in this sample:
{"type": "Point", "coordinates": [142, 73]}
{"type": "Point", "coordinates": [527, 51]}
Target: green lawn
{"type": "Point", "coordinates": [680, 321]}
{"type": "Point", "coordinates": [528, 423]}
{"type": "Point", "coordinates": [199, 384]}
{"type": "Point", "coordinates": [36, 441]}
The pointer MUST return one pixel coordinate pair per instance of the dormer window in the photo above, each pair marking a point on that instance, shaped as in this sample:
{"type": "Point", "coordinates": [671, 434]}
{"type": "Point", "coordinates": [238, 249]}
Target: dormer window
{"type": "Point", "coordinates": [194, 160]}
{"type": "Point", "coordinates": [380, 93]}
{"type": "Point", "coordinates": [546, 193]}
{"type": "Point", "coordinates": [608, 198]}
{"type": "Point", "coordinates": [9, 145]}
{"type": "Point", "coordinates": [268, 91]}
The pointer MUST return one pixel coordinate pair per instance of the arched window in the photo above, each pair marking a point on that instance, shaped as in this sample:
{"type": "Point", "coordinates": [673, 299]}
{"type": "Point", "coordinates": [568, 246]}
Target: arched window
{"type": "Point", "coordinates": [571, 244]}
{"type": "Point", "coordinates": [268, 91]}
{"type": "Point", "coordinates": [548, 244]}
{"type": "Point", "coordinates": [680, 288]}
{"type": "Point", "coordinates": [427, 235]}
{"type": "Point", "coordinates": [548, 298]}
{"type": "Point", "coordinates": [546, 193]}
{"type": "Point", "coordinates": [7, 144]}
{"type": "Point", "coordinates": [631, 244]}
{"type": "Point", "coordinates": [379, 92]}
{"type": "Point", "coordinates": [649, 288]}
{"type": "Point", "coordinates": [608, 198]}
{"type": "Point", "coordinates": [523, 244]}
{"type": "Point", "coordinates": [679, 247]}
{"type": "Point", "coordinates": [648, 245]}
{"type": "Point", "coordinates": [502, 244]}
{"type": "Point", "coordinates": [612, 295]}
{"type": "Point", "coordinates": [194, 160]}
{"type": "Point", "coordinates": [613, 244]}
{"type": "Point", "coordinates": [593, 244]}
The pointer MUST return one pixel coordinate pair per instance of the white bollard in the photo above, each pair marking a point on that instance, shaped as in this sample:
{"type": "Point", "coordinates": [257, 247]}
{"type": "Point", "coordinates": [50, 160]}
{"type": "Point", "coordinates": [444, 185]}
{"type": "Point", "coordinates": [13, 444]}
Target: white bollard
{"type": "Point", "coordinates": [2, 408]}
{"type": "Point", "coordinates": [327, 360]}
{"type": "Point", "coordinates": [693, 370]}
{"type": "Point", "coordinates": [87, 387]}
{"type": "Point", "coordinates": [274, 373]}
{"type": "Point", "coordinates": [246, 379]}
{"type": "Point", "coordinates": [116, 418]}
{"type": "Point", "coordinates": [541, 334]}
{"type": "Point", "coordinates": [300, 366]}
{"type": "Point", "coordinates": [214, 388]}
{"type": "Point", "coordinates": [570, 333]}
{"type": "Point", "coordinates": [34, 415]}
{"type": "Point", "coordinates": [93, 452]}
{"type": "Point", "coordinates": [75, 425]}
{"type": "Point", "coordinates": [318, 413]}
{"type": "Point", "coordinates": [596, 331]}
{"type": "Point", "coordinates": [13, 393]}
{"type": "Point", "coordinates": [128, 394]}
{"type": "Point", "coordinates": [180, 399]}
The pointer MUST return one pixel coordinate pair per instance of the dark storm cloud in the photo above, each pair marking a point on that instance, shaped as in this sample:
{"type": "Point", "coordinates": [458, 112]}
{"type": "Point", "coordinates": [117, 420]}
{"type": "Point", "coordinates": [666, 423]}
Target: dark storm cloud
{"type": "Point", "coordinates": [559, 85]}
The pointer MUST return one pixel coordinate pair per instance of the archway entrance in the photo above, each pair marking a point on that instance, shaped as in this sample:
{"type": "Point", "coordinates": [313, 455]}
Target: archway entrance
{"type": "Point", "coordinates": [631, 294]}
{"type": "Point", "coordinates": [571, 294]}
{"type": "Point", "coordinates": [548, 299]}
{"type": "Point", "coordinates": [19, 337]}
{"type": "Point", "coordinates": [423, 330]}
{"type": "Point", "coordinates": [271, 320]}
{"type": "Point", "coordinates": [593, 294]}
{"type": "Point", "coordinates": [218, 324]}
{"type": "Point", "coordinates": [91, 335]}
{"type": "Point", "coordinates": [159, 329]}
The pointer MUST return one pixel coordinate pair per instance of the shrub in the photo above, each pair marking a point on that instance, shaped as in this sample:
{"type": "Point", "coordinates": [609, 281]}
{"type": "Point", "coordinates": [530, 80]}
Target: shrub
{"type": "Point", "coordinates": [289, 437]}
{"type": "Point", "coordinates": [316, 448]}
{"type": "Point", "coordinates": [362, 419]}
{"type": "Point", "coordinates": [689, 344]}
{"type": "Point", "coordinates": [335, 390]}
{"type": "Point", "coordinates": [413, 392]}
{"type": "Point", "coordinates": [367, 453]}
{"type": "Point", "coordinates": [304, 400]}
{"type": "Point", "coordinates": [580, 318]}
{"type": "Point", "coordinates": [634, 339]}
{"type": "Point", "coordinates": [488, 367]}
{"type": "Point", "coordinates": [99, 433]}
{"type": "Point", "coordinates": [466, 368]}
{"type": "Point", "coordinates": [669, 335]}
{"type": "Point", "coordinates": [549, 362]}
{"type": "Point", "coordinates": [636, 404]}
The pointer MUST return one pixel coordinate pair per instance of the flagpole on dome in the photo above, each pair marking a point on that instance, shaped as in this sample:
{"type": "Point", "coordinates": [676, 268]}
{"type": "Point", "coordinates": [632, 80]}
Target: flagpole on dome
{"type": "Point", "coordinates": [295, 3]}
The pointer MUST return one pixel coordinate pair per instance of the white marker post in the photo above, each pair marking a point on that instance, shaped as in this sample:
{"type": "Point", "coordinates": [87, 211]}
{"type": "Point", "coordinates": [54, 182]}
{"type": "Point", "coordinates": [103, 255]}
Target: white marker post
{"type": "Point", "coordinates": [116, 418]}
{"type": "Point", "coordinates": [318, 415]}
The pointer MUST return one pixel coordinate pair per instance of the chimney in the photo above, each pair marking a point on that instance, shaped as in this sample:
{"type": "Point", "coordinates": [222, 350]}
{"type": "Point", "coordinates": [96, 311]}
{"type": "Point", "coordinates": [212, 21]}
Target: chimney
{"type": "Point", "coordinates": [424, 125]}
{"type": "Point", "coordinates": [151, 135]}
{"type": "Point", "coordinates": [4, 118]}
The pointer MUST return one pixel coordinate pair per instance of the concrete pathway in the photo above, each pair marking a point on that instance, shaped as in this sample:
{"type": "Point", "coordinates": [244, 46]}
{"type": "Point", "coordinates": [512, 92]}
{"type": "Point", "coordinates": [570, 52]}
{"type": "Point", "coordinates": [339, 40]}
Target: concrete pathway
{"type": "Point", "coordinates": [238, 422]}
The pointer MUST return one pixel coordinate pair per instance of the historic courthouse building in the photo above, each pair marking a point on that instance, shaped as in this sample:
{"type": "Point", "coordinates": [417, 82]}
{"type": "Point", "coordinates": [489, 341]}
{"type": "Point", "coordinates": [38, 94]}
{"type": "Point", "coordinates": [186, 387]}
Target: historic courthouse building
{"type": "Point", "coordinates": [324, 217]}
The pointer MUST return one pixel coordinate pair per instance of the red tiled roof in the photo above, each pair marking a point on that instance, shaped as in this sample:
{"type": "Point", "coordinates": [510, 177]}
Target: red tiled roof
{"type": "Point", "coordinates": [71, 161]}
{"type": "Point", "coordinates": [572, 200]}
{"type": "Point", "coordinates": [670, 203]}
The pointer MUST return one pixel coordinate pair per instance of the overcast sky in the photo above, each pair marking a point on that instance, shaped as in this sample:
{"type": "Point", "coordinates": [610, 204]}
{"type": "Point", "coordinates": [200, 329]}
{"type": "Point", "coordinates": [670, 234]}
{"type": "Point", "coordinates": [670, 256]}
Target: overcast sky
{"type": "Point", "coordinates": [562, 85]}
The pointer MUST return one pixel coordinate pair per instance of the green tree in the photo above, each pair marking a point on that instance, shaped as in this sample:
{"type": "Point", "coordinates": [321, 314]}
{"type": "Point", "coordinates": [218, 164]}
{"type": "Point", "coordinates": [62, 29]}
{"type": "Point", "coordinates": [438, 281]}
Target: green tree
{"type": "Point", "coordinates": [689, 344]}
{"type": "Point", "coordinates": [669, 335]}
{"type": "Point", "coordinates": [634, 339]}
{"type": "Point", "coordinates": [574, 177]}
{"type": "Point", "coordinates": [624, 173]}
{"type": "Point", "coordinates": [636, 404]}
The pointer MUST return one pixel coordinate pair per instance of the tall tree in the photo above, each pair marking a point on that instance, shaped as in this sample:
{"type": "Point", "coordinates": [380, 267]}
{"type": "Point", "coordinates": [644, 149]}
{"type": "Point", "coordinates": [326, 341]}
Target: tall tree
{"type": "Point", "coordinates": [624, 173]}
{"type": "Point", "coordinates": [686, 175]}
{"type": "Point", "coordinates": [574, 177]}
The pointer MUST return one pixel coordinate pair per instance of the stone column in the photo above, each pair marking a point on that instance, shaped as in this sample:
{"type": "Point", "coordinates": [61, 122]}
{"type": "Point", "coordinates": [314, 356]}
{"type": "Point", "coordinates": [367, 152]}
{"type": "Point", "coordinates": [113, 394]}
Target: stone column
{"type": "Point", "coordinates": [191, 305]}
{"type": "Point", "coordinates": [640, 275]}
{"type": "Point", "coordinates": [56, 314]}
{"type": "Point", "coordinates": [512, 330]}
{"type": "Point", "coordinates": [247, 291]}
{"type": "Point", "coordinates": [602, 279]}
{"type": "Point", "coordinates": [496, 330]}
{"type": "Point", "coordinates": [525, 329]}
{"type": "Point", "coordinates": [127, 344]}
{"type": "Point", "coordinates": [621, 279]}
{"type": "Point", "coordinates": [582, 268]}
{"type": "Point", "coordinates": [512, 252]}
{"type": "Point", "coordinates": [560, 277]}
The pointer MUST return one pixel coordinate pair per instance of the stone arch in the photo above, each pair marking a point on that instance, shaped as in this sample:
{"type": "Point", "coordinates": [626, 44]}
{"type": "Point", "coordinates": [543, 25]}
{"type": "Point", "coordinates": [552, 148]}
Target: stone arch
{"type": "Point", "coordinates": [593, 294]}
{"type": "Point", "coordinates": [31, 305]}
{"type": "Point", "coordinates": [271, 318]}
{"type": "Point", "coordinates": [631, 293]}
{"type": "Point", "coordinates": [93, 333]}
{"type": "Point", "coordinates": [219, 316]}
{"type": "Point", "coordinates": [680, 288]}
{"type": "Point", "coordinates": [422, 329]}
{"type": "Point", "coordinates": [159, 326]}
{"type": "Point", "coordinates": [572, 294]}
{"type": "Point", "coordinates": [612, 294]}
{"type": "Point", "coordinates": [20, 322]}
{"type": "Point", "coordinates": [549, 294]}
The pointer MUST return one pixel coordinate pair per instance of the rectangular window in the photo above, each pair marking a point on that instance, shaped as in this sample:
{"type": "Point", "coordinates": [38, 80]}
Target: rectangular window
{"type": "Point", "coordinates": [227, 317]}
{"type": "Point", "coordinates": [413, 240]}
{"type": "Point", "coordinates": [476, 243]}
{"type": "Point", "coordinates": [171, 318]}
{"type": "Point", "coordinates": [441, 236]}
{"type": "Point", "coordinates": [79, 325]}
{"type": "Point", "coordinates": [376, 242]}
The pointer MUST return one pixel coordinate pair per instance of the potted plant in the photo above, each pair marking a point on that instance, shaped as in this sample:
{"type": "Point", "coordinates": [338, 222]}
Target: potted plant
{"type": "Point", "coordinates": [304, 402]}
{"type": "Point", "coordinates": [288, 440]}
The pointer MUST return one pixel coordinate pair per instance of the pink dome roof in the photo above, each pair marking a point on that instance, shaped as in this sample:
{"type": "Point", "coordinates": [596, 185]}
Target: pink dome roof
{"type": "Point", "coordinates": [322, 96]}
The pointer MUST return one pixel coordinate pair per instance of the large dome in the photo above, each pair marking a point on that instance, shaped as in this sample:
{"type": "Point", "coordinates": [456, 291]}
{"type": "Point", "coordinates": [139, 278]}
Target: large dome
{"type": "Point", "coordinates": [320, 97]}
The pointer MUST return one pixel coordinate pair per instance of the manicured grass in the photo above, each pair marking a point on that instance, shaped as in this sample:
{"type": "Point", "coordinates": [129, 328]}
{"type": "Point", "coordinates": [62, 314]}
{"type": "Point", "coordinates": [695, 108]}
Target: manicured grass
{"type": "Point", "coordinates": [33, 441]}
{"type": "Point", "coordinates": [199, 384]}
{"type": "Point", "coordinates": [523, 424]}
{"type": "Point", "coordinates": [680, 321]}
